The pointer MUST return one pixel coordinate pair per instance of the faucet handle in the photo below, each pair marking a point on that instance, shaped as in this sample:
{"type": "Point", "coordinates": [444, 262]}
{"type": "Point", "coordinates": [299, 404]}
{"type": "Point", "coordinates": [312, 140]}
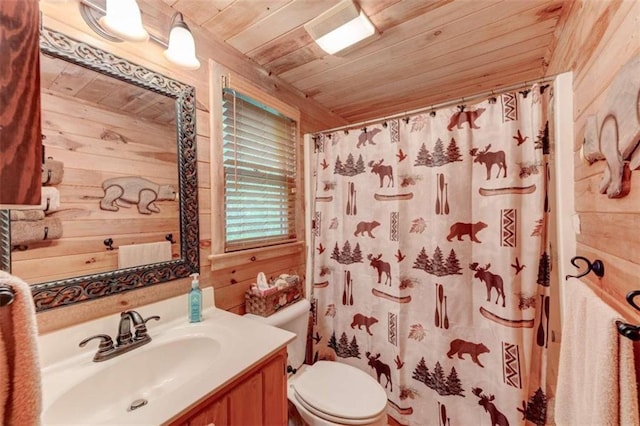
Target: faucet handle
{"type": "Point", "coordinates": [141, 327]}
{"type": "Point", "coordinates": [106, 344]}
{"type": "Point", "coordinates": [153, 317]}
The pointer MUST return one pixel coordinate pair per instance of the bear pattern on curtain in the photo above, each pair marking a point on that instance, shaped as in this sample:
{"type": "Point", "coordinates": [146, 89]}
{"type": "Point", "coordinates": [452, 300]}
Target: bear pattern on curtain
{"type": "Point", "coordinates": [432, 264]}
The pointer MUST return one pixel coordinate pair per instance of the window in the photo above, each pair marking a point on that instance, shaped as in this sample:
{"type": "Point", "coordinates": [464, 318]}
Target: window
{"type": "Point", "coordinates": [260, 173]}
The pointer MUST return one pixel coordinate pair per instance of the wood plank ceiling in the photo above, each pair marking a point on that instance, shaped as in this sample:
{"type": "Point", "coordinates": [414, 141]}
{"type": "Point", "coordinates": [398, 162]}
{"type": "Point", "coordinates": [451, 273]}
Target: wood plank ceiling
{"type": "Point", "coordinates": [428, 51]}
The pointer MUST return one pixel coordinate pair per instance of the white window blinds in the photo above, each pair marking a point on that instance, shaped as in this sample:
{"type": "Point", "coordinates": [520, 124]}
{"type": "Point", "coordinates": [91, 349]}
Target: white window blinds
{"type": "Point", "coordinates": [259, 157]}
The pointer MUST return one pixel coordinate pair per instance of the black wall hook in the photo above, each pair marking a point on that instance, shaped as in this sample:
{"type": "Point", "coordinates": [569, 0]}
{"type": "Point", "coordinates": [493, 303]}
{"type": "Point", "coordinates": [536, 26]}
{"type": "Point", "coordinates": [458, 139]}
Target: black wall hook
{"type": "Point", "coordinates": [169, 237]}
{"type": "Point", "coordinates": [627, 330]}
{"type": "Point", "coordinates": [597, 267]}
{"type": "Point", "coordinates": [632, 295]}
{"type": "Point", "coordinates": [109, 243]}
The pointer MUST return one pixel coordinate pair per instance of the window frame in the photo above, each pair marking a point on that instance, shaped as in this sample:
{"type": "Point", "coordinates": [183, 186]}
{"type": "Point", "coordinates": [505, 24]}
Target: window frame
{"type": "Point", "coordinates": [222, 79]}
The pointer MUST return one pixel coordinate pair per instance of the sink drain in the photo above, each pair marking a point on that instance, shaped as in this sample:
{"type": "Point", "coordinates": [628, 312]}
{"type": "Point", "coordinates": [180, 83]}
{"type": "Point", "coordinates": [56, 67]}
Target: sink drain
{"type": "Point", "coordinates": [138, 403]}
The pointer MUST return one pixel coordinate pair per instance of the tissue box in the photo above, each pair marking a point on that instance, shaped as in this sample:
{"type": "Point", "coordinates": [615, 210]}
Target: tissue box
{"type": "Point", "coordinates": [265, 305]}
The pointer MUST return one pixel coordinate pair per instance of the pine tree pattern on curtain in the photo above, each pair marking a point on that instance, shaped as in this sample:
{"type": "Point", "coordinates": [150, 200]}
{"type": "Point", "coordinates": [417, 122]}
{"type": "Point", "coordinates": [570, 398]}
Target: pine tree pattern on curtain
{"type": "Point", "coordinates": [432, 261]}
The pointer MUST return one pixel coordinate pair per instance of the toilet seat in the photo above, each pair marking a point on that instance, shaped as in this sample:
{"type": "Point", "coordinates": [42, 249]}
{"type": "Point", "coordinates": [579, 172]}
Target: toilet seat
{"type": "Point", "coordinates": [340, 393]}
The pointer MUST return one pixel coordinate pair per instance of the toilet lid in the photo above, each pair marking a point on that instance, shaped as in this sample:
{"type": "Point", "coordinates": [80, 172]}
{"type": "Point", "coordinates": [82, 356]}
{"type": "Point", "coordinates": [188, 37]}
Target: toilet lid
{"type": "Point", "coordinates": [341, 391]}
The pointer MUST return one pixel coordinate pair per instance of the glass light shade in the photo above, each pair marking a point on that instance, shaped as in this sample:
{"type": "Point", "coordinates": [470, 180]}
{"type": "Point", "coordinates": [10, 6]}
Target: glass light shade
{"type": "Point", "coordinates": [346, 35]}
{"type": "Point", "coordinates": [182, 47]}
{"type": "Point", "coordinates": [123, 19]}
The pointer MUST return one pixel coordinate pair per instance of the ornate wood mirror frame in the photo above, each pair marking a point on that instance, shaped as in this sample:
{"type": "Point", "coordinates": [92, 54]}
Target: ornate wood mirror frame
{"type": "Point", "coordinates": [64, 292]}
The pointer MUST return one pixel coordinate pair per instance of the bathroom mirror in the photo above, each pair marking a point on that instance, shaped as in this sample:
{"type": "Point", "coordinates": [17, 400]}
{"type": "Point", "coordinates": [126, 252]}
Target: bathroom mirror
{"type": "Point", "coordinates": [123, 140]}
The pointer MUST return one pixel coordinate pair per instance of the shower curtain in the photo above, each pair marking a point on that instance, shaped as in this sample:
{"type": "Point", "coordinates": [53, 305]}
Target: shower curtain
{"type": "Point", "coordinates": [432, 263]}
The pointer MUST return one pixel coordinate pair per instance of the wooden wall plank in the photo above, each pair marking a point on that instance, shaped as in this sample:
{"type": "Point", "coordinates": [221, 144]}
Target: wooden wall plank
{"type": "Point", "coordinates": [620, 238]}
{"type": "Point", "coordinates": [589, 199]}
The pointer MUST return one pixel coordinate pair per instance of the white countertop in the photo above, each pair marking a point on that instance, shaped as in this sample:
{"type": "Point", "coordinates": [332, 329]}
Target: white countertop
{"type": "Point", "coordinates": [243, 343]}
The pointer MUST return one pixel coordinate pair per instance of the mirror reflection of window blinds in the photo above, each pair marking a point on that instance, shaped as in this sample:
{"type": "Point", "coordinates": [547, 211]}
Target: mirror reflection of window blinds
{"type": "Point", "coordinates": [259, 157]}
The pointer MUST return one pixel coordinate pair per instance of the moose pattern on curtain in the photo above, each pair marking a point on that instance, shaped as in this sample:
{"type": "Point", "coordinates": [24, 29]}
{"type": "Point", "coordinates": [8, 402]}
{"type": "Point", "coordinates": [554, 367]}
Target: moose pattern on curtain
{"type": "Point", "coordinates": [432, 262]}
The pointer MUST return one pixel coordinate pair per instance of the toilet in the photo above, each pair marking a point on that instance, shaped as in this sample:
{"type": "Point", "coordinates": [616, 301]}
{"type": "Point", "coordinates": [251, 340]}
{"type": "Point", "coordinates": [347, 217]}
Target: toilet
{"type": "Point", "coordinates": [326, 393]}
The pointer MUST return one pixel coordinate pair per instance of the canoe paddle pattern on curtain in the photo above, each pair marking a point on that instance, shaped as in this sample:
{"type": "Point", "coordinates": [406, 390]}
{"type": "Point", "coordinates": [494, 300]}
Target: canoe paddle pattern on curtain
{"type": "Point", "coordinates": [431, 259]}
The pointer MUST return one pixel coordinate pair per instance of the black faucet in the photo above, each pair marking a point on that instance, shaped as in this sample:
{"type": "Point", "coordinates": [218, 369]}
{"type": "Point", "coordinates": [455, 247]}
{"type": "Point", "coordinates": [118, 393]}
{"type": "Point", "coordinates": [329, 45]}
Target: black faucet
{"type": "Point", "coordinates": [125, 341]}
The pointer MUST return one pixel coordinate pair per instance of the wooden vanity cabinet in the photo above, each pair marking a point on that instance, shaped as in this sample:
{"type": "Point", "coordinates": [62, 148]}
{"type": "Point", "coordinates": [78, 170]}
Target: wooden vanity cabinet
{"type": "Point", "coordinates": [20, 128]}
{"type": "Point", "coordinates": [257, 397]}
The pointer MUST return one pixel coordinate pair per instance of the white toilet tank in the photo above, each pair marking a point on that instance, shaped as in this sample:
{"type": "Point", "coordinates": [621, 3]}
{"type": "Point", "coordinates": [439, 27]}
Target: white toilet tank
{"type": "Point", "coordinates": [293, 318]}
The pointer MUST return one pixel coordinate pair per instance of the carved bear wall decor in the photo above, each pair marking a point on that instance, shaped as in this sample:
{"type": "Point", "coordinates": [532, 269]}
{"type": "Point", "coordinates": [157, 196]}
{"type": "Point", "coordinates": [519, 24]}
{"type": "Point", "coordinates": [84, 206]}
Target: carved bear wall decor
{"type": "Point", "coordinates": [134, 190]}
{"type": "Point", "coordinates": [613, 133]}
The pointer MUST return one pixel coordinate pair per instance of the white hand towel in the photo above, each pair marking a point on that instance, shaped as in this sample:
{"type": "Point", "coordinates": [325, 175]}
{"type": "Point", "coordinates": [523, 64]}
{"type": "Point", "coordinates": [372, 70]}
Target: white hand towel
{"type": "Point", "coordinates": [143, 254]}
{"type": "Point", "coordinates": [596, 373]}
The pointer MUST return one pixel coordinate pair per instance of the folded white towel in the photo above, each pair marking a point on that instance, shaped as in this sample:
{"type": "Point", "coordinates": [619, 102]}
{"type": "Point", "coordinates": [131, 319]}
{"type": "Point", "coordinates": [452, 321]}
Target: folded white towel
{"type": "Point", "coordinates": [596, 373]}
{"type": "Point", "coordinates": [50, 200]}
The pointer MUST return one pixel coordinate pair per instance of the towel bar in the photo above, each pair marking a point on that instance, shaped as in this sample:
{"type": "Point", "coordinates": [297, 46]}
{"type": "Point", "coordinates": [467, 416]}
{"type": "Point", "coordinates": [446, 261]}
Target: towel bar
{"type": "Point", "coordinates": [6, 295]}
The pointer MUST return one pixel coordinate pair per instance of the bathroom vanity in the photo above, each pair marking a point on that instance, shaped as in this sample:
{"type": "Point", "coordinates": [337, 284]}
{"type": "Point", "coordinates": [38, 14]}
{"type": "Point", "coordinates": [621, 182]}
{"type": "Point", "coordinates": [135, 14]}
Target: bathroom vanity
{"type": "Point", "coordinates": [257, 396]}
{"type": "Point", "coordinates": [224, 370]}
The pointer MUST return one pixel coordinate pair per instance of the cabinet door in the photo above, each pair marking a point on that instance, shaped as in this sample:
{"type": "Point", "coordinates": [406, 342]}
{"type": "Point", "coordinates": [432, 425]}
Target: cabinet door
{"type": "Point", "coordinates": [215, 414]}
{"type": "Point", "coordinates": [245, 402]}
{"type": "Point", "coordinates": [20, 140]}
{"type": "Point", "coordinates": [274, 391]}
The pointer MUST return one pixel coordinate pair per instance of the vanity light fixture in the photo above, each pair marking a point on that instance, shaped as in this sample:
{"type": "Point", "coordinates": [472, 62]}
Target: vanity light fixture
{"type": "Point", "coordinates": [340, 27]}
{"type": "Point", "coordinates": [121, 20]}
{"type": "Point", "coordinates": [182, 48]}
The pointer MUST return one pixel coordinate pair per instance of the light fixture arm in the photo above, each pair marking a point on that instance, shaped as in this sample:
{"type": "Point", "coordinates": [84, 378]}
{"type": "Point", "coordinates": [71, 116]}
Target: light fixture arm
{"type": "Point", "coordinates": [92, 12]}
{"type": "Point", "coordinates": [182, 54]}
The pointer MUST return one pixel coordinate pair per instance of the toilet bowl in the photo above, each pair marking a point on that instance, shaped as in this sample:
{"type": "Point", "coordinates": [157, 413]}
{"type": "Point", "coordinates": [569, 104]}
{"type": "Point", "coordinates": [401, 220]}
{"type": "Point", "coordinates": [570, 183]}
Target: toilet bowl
{"type": "Point", "coordinates": [326, 393]}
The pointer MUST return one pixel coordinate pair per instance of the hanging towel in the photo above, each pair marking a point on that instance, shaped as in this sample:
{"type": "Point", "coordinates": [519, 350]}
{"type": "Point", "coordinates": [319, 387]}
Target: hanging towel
{"type": "Point", "coordinates": [52, 172]}
{"type": "Point", "coordinates": [50, 200]}
{"type": "Point", "coordinates": [26, 232]}
{"type": "Point", "coordinates": [143, 254]}
{"type": "Point", "coordinates": [20, 388]}
{"type": "Point", "coordinates": [596, 376]}
{"type": "Point", "coordinates": [29, 215]}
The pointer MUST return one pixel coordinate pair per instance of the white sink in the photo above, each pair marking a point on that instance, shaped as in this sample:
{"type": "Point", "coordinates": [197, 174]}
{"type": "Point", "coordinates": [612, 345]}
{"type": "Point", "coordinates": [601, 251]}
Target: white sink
{"type": "Point", "coordinates": [182, 365]}
{"type": "Point", "coordinates": [141, 376]}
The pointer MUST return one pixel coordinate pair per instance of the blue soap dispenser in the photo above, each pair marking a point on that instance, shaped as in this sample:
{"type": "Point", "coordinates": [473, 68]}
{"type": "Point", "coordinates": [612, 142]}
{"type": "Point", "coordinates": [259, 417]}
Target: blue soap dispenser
{"type": "Point", "coordinates": [195, 300]}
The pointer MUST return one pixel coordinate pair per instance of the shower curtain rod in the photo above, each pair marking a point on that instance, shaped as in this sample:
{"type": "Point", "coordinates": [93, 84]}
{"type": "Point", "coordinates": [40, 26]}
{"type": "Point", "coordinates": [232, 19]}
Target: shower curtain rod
{"type": "Point", "coordinates": [442, 104]}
